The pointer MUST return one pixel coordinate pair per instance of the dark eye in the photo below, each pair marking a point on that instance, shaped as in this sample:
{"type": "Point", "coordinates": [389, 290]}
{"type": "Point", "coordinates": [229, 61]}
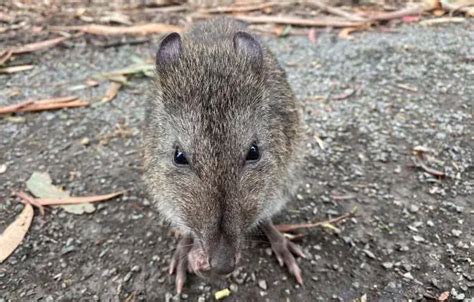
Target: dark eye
{"type": "Point", "coordinates": [253, 154]}
{"type": "Point", "coordinates": [179, 158]}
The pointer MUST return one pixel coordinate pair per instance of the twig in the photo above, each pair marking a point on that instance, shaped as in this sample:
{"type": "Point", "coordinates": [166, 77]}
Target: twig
{"type": "Point", "coordinates": [243, 8]}
{"type": "Point", "coordinates": [398, 14]}
{"type": "Point", "coordinates": [48, 104]}
{"type": "Point", "coordinates": [337, 11]}
{"type": "Point", "coordinates": [293, 227]}
{"type": "Point", "coordinates": [421, 164]}
{"type": "Point", "coordinates": [25, 198]}
{"type": "Point", "coordinates": [288, 20]}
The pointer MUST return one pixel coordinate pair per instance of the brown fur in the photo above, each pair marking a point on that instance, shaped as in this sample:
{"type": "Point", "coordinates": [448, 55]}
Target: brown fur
{"type": "Point", "coordinates": [214, 102]}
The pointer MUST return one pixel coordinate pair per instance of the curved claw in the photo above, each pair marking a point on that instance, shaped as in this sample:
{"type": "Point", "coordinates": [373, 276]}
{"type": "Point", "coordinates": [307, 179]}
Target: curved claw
{"type": "Point", "coordinates": [188, 257]}
{"type": "Point", "coordinates": [284, 250]}
{"type": "Point", "coordinates": [179, 262]}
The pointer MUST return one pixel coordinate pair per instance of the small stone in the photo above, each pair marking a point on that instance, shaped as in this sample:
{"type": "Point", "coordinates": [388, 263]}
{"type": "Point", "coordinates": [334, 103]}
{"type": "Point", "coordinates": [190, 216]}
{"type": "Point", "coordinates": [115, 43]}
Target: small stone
{"type": "Point", "coordinates": [136, 268]}
{"type": "Point", "coordinates": [201, 299]}
{"type": "Point", "coordinates": [85, 141]}
{"type": "Point", "coordinates": [234, 288]}
{"type": "Point", "coordinates": [299, 196]}
{"type": "Point", "coordinates": [408, 275]}
{"type": "Point", "coordinates": [418, 238]}
{"type": "Point", "coordinates": [262, 284]}
{"type": "Point", "coordinates": [413, 208]}
{"type": "Point", "coordinates": [184, 296]}
{"type": "Point", "coordinates": [268, 251]}
{"type": "Point", "coordinates": [369, 254]}
{"type": "Point", "coordinates": [3, 168]}
{"type": "Point", "coordinates": [430, 223]}
{"type": "Point", "coordinates": [387, 265]}
{"type": "Point", "coordinates": [456, 233]}
{"type": "Point", "coordinates": [127, 277]}
{"type": "Point", "coordinates": [168, 297]}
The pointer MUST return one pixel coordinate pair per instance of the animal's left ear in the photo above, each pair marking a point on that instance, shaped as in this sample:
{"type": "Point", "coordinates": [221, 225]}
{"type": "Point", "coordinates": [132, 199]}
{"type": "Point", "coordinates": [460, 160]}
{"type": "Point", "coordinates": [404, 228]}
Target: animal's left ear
{"type": "Point", "coordinates": [169, 50]}
{"type": "Point", "coordinates": [249, 47]}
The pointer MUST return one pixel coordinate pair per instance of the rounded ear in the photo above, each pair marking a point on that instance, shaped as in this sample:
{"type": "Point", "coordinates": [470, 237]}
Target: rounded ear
{"type": "Point", "coordinates": [169, 50]}
{"type": "Point", "coordinates": [247, 46]}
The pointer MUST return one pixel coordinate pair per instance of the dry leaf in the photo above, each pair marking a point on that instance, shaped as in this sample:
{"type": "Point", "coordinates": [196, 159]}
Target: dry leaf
{"type": "Point", "coordinates": [13, 69]}
{"type": "Point", "coordinates": [41, 185]}
{"type": "Point", "coordinates": [345, 33]}
{"type": "Point", "coordinates": [76, 200]}
{"type": "Point", "coordinates": [111, 92]}
{"type": "Point", "coordinates": [103, 30]}
{"type": "Point", "coordinates": [15, 232]}
{"type": "Point", "coordinates": [38, 45]}
{"type": "Point", "coordinates": [118, 75]}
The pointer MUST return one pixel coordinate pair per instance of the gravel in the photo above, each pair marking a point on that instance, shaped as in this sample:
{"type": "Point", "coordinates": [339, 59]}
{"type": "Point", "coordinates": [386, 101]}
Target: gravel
{"type": "Point", "coordinates": [369, 104]}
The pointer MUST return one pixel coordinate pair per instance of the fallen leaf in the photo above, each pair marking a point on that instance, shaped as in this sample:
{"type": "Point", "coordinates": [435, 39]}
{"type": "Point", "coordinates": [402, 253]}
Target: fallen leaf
{"type": "Point", "coordinates": [41, 185]}
{"type": "Point", "coordinates": [219, 295]}
{"type": "Point", "coordinates": [111, 92]}
{"type": "Point", "coordinates": [38, 45]}
{"type": "Point", "coordinates": [145, 69]}
{"type": "Point", "coordinates": [76, 200]}
{"type": "Point", "coordinates": [345, 32]}
{"type": "Point", "coordinates": [45, 104]}
{"type": "Point", "coordinates": [19, 68]}
{"type": "Point", "coordinates": [104, 30]}
{"type": "Point", "coordinates": [15, 232]}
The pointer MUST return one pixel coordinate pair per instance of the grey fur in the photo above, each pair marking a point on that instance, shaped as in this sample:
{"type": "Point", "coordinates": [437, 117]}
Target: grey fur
{"type": "Point", "coordinates": [214, 101]}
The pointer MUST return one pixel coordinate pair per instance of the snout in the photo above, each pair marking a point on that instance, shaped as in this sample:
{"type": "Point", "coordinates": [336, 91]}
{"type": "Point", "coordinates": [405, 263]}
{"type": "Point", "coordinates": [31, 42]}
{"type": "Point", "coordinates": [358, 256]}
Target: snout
{"type": "Point", "coordinates": [224, 257]}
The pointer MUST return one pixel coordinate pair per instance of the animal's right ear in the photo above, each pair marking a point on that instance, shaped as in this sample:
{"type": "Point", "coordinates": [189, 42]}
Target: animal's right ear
{"type": "Point", "coordinates": [169, 50]}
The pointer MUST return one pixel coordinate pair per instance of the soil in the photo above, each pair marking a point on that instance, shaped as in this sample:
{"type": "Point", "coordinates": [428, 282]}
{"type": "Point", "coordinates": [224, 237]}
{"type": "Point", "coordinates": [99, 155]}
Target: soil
{"type": "Point", "coordinates": [369, 102]}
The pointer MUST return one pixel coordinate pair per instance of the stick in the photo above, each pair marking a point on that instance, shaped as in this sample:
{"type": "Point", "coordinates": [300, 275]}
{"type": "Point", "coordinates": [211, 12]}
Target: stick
{"type": "Point", "coordinates": [25, 198]}
{"type": "Point", "coordinates": [293, 227]}
{"type": "Point", "coordinates": [337, 11]}
{"type": "Point", "coordinates": [288, 20]}
{"type": "Point", "coordinates": [243, 8]}
{"type": "Point", "coordinates": [398, 14]}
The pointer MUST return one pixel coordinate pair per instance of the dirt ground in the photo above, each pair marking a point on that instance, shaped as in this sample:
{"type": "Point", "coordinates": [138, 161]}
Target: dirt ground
{"type": "Point", "coordinates": [370, 101]}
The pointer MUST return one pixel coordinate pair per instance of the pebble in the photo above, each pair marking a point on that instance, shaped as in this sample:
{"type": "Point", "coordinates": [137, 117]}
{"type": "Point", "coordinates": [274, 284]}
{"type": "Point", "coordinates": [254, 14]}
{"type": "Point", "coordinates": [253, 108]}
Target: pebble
{"type": "Point", "coordinates": [418, 238]}
{"type": "Point", "coordinates": [369, 254]}
{"type": "Point", "coordinates": [456, 233]}
{"type": "Point", "coordinates": [262, 284]}
{"type": "Point", "coordinates": [408, 275]}
{"type": "Point", "coordinates": [201, 299]}
{"type": "Point", "coordinates": [387, 265]}
{"type": "Point", "coordinates": [234, 288]}
{"type": "Point", "coordinates": [413, 208]}
{"type": "Point", "coordinates": [3, 168]}
{"type": "Point", "coordinates": [127, 277]}
{"type": "Point", "coordinates": [136, 268]}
